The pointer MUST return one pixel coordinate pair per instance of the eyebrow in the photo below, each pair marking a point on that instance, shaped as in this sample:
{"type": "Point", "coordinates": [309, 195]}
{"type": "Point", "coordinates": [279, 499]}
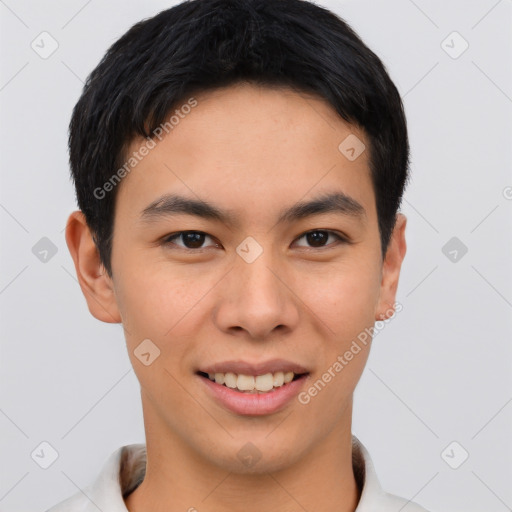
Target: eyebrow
{"type": "Point", "coordinates": [169, 205]}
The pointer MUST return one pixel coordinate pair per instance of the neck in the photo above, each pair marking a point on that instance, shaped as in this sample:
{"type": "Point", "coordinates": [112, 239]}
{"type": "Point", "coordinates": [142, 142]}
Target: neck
{"type": "Point", "coordinates": [179, 479]}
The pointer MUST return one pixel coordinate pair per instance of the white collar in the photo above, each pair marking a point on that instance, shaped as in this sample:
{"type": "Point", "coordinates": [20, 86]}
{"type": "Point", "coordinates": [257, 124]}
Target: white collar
{"type": "Point", "coordinates": [125, 469]}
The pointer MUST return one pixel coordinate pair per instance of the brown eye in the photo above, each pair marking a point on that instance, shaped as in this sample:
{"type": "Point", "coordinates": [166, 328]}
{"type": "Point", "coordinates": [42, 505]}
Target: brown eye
{"type": "Point", "coordinates": [319, 237]}
{"type": "Point", "coordinates": [190, 239]}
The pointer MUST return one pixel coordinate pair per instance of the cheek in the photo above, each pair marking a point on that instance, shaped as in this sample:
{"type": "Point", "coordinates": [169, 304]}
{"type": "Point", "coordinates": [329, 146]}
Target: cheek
{"type": "Point", "coordinates": [161, 306]}
{"type": "Point", "coordinates": [342, 297]}
{"type": "Point", "coordinates": [346, 308]}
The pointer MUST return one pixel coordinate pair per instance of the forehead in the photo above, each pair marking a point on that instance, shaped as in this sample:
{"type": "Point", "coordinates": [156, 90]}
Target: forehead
{"type": "Point", "coordinates": [251, 148]}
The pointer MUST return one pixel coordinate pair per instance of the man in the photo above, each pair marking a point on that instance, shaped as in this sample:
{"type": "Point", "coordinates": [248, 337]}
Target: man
{"type": "Point", "coordinates": [239, 166]}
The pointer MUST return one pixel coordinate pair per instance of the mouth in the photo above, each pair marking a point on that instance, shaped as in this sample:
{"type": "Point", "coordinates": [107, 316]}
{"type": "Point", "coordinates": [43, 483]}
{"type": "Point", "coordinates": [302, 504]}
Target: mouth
{"type": "Point", "coordinates": [253, 395]}
{"type": "Point", "coordinates": [253, 384]}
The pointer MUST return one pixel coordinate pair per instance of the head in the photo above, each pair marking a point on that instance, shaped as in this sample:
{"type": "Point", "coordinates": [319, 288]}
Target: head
{"type": "Point", "coordinates": [274, 138]}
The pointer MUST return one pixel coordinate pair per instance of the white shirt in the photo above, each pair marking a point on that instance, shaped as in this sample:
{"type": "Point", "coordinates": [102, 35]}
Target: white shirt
{"type": "Point", "coordinates": [124, 470]}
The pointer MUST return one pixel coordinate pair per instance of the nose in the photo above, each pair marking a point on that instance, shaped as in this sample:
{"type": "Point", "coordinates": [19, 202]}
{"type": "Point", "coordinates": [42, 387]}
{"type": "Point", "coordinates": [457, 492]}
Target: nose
{"type": "Point", "coordinates": [256, 300]}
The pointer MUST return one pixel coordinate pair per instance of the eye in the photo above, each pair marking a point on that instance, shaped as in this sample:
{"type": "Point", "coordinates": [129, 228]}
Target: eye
{"type": "Point", "coordinates": [319, 237]}
{"type": "Point", "coordinates": [191, 239]}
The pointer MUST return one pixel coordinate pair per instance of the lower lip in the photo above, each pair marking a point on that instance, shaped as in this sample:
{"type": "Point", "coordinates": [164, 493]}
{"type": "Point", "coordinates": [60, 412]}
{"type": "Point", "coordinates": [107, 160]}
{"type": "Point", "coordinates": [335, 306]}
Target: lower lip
{"type": "Point", "coordinates": [255, 404]}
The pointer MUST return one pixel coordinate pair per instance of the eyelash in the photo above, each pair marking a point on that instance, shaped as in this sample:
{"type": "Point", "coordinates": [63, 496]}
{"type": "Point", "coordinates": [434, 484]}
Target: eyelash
{"type": "Point", "coordinates": [168, 240]}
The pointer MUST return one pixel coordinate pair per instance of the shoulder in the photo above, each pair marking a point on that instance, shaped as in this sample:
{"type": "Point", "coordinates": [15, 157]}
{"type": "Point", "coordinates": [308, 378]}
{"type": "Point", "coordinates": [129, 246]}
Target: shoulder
{"type": "Point", "coordinates": [120, 473]}
{"type": "Point", "coordinates": [75, 503]}
{"type": "Point", "coordinates": [373, 497]}
{"type": "Point", "coordinates": [391, 503]}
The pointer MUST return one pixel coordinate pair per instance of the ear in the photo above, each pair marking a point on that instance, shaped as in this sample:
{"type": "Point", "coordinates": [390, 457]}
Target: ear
{"type": "Point", "coordinates": [94, 281]}
{"type": "Point", "coordinates": [391, 269]}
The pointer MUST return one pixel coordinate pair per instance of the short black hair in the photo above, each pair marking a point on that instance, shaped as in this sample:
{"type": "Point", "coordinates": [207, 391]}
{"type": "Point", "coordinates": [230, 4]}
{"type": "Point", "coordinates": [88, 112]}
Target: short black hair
{"type": "Point", "coordinates": [201, 45]}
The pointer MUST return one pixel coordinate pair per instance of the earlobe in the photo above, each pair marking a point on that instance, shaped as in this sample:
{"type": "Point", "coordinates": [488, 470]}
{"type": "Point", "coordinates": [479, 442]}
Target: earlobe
{"type": "Point", "coordinates": [94, 281]}
{"type": "Point", "coordinates": [391, 269]}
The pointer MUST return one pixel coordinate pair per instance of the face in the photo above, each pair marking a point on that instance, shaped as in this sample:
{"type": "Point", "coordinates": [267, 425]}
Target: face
{"type": "Point", "coordinates": [249, 281]}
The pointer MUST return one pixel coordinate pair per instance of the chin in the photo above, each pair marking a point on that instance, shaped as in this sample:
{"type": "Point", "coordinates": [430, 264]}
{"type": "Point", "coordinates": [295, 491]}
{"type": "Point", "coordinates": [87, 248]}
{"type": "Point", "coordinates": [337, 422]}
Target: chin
{"type": "Point", "coordinates": [254, 456]}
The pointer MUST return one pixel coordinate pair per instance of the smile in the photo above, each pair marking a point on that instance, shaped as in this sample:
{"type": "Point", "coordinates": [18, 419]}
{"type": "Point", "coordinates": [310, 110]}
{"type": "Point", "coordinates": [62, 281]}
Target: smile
{"type": "Point", "coordinates": [253, 401]}
{"type": "Point", "coordinates": [252, 384]}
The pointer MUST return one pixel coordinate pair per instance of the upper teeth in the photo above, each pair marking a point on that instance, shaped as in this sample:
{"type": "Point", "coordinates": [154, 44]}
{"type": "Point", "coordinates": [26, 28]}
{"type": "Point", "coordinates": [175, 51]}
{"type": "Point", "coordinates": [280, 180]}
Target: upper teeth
{"type": "Point", "coordinates": [250, 383]}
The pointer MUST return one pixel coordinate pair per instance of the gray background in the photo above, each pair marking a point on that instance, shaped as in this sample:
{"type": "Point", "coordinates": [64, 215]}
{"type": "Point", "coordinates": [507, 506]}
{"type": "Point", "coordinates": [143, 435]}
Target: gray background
{"type": "Point", "coordinates": [438, 373]}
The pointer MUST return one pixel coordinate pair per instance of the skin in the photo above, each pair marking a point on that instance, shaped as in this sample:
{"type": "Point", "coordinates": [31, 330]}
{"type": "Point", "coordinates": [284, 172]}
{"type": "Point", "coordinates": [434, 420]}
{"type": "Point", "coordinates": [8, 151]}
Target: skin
{"type": "Point", "coordinates": [253, 151]}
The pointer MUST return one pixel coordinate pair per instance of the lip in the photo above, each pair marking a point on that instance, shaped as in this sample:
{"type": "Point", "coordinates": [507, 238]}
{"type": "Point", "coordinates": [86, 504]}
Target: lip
{"type": "Point", "coordinates": [254, 404]}
{"type": "Point", "coordinates": [255, 369]}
